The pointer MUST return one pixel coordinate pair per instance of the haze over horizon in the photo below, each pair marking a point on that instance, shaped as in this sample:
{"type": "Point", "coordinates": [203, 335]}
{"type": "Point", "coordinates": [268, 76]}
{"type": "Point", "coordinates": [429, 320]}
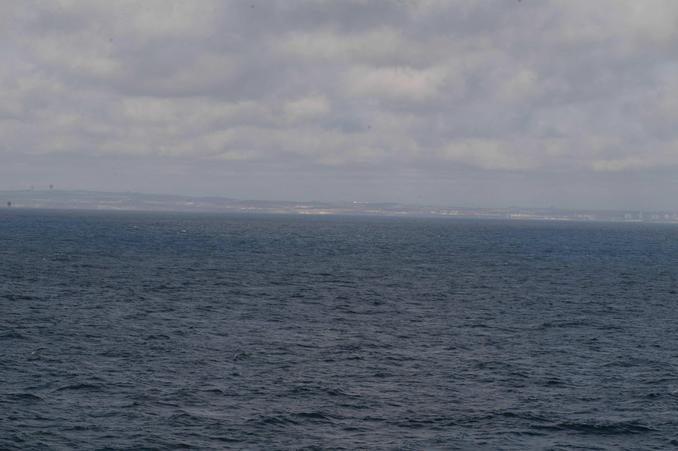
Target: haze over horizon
{"type": "Point", "coordinates": [571, 104]}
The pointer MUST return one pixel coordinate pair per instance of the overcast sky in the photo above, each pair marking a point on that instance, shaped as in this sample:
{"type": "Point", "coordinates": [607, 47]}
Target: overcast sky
{"type": "Point", "coordinates": [566, 103]}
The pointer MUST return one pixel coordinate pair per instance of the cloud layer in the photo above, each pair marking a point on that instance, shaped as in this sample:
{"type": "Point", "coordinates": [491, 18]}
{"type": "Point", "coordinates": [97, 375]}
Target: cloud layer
{"type": "Point", "coordinates": [497, 88]}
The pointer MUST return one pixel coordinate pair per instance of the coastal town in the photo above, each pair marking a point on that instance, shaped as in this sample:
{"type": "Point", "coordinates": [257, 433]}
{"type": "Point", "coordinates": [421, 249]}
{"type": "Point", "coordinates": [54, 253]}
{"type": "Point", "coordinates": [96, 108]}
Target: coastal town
{"type": "Point", "coordinates": [91, 200]}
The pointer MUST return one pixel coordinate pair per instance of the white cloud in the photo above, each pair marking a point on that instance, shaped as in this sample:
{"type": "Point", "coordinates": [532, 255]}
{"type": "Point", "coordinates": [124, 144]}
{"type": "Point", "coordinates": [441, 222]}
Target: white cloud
{"type": "Point", "coordinates": [307, 108]}
{"type": "Point", "coordinates": [620, 164]}
{"type": "Point", "coordinates": [396, 83]}
{"type": "Point", "coordinates": [169, 17]}
{"type": "Point", "coordinates": [488, 154]}
{"type": "Point", "coordinates": [520, 86]}
{"type": "Point", "coordinates": [374, 46]}
{"type": "Point", "coordinates": [79, 54]}
{"type": "Point", "coordinates": [632, 24]}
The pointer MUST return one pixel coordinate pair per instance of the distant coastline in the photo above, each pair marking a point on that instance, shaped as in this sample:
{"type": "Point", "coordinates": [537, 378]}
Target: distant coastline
{"type": "Point", "coordinates": [118, 201]}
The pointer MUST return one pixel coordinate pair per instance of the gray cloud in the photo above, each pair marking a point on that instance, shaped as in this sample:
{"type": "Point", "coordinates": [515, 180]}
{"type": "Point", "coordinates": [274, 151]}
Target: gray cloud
{"type": "Point", "coordinates": [350, 93]}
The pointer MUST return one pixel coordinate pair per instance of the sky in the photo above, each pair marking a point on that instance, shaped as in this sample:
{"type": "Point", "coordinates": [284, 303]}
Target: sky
{"type": "Point", "coordinates": [492, 103]}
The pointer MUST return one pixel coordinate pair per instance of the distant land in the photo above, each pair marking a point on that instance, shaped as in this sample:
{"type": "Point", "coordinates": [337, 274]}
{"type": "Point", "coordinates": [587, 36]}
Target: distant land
{"type": "Point", "coordinates": [91, 200]}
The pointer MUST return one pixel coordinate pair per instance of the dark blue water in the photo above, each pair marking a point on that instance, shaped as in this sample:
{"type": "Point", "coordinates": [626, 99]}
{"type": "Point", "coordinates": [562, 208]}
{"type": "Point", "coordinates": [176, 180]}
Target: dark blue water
{"type": "Point", "coordinates": [128, 331]}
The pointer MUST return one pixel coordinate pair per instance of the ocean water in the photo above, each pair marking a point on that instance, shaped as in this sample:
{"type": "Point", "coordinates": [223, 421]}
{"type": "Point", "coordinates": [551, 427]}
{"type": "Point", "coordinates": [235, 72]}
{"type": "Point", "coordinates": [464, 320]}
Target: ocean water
{"type": "Point", "coordinates": [166, 331]}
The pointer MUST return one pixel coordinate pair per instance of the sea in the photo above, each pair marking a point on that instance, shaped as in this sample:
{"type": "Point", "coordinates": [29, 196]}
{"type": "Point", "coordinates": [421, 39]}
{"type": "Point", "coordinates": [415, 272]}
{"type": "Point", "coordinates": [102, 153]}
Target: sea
{"type": "Point", "coordinates": [129, 330]}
